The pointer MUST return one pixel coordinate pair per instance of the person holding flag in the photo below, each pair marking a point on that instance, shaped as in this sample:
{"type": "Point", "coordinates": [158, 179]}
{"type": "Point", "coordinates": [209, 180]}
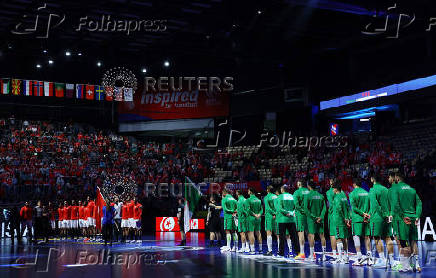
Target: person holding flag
{"type": "Point", "coordinates": [192, 196]}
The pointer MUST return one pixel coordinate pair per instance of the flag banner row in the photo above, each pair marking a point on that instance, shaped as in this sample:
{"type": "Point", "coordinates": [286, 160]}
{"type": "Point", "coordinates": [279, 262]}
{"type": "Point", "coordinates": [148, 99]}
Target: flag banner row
{"type": "Point", "coordinates": [19, 87]}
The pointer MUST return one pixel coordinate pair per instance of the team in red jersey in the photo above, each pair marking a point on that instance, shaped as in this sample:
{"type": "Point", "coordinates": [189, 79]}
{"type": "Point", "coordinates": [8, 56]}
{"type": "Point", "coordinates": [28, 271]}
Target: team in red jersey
{"type": "Point", "coordinates": [78, 220]}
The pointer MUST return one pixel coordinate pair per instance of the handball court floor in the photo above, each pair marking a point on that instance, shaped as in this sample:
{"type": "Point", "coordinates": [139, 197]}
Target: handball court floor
{"type": "Point", "coordinates": [159, 256]}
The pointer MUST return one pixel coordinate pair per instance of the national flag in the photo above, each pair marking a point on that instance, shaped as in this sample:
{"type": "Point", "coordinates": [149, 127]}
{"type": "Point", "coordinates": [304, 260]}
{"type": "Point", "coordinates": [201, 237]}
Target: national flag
{"type": "Point", "coordinates": [89, 92]}
{"type": "Point", "coordinates": [128, 94]}
{"type": "Point", "coordinates": [5, 86]}
{"type": "Point", "coordinates": [80, 90]}
{"type": "Point", "coordinates": [109, 93]}
{"type": "Point", "coordinates": [59, 89]}
{"type": "Point", "coordinates": [16, 87]}
{"type": "Point", "coordinates": [69, 90]}
{"type": "Point", "coordinates": [38, 88]}
{"type": "Point", "coordinates": [192, 197]}
{"type": "Point", "coordinates": [48, 89]}
{"type": "Point", "coordinates": [99, 92]}
{"type": "Point", "coordinates": [118, 93]}
{"type": "Point", "coordinates": [27, 87]}
{"type": "Point", "coordinates": [100, 203]}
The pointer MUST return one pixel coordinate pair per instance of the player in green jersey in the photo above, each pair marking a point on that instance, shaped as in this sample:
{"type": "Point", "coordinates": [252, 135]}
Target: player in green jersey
{"type": "Point", "coordinates": [316, 209]}
{"type": "Point", "coordinates": [270, 218]}
{"type": "Point", "coordinates": [286, 218]}
{"type": "Point", "coordinates": [242, 221]}
{"type": "Point", "coordinates": [408, 205]}
{"type": "Point", "coordinates": [229, 205]}
{"type": "Point", "coordinates": [342, 222]}
{"type": "Point", "coordinates": [378, 222]}
{"type": "Point", "coordinates": [393, 218]}
{"type": "Point", "coordinates": [332, 230]}
{"type": "Point", "coordinates": [300, 216]}
{"type": "Point", "coordinates": [254, 210]}
{"type": "Point", "coordinates": [359, 200]}
{"type": "Point", "coordinates": [288, 237]}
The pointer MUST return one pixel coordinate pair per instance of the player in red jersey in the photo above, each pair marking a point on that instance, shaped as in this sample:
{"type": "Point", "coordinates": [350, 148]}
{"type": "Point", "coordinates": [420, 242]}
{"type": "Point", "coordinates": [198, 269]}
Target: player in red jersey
{"type": "Point", "coordinates": [137, 215]}
{"type": "Point", "coordinates": [86, 216]}
{"type": "Point", "coordinates": [91, 218]}
{"type": "Point", "coordinates": [74, 219]}
{"type": "Point", "coordinates": [82, 219]}
{"type": "Point", "coordinates": [67, 219]}
{"type": "Point", "coordinates": [132, 223]}
{"type": "Point", "coordinates": [52, 218]}
{"type": "Point", "coordinates": [125, 220]}
{"type": "Point", "coordinates": [61, 222]}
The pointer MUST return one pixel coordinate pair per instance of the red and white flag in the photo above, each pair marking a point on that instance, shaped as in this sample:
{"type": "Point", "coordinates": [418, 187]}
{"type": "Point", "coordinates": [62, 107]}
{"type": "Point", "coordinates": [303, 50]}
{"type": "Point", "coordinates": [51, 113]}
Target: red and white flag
{"type": "Point", "coordinates": [89, 94]}
{"type": "Point", "coordinates": [27, 87]}
{"type": "Point", "coordinates": [48, 89]}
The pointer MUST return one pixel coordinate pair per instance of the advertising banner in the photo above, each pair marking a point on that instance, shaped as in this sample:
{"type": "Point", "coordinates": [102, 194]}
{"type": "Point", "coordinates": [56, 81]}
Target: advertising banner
{"type": "Point", "coordinates": [171, 224]}
{"type": "Point", "coordinates": [174, 105]}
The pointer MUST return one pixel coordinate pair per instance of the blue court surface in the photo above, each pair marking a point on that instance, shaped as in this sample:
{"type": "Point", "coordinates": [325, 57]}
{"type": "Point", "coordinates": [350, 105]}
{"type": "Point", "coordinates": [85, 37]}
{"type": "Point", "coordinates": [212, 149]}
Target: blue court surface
{"type": "Point", "coordinates": [159, 256]}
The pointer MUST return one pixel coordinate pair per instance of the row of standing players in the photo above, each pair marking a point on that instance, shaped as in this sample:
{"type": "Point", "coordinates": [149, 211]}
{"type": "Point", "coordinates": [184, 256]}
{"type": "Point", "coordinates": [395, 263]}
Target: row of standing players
{"type": "Point", "coordinates": [118, 221]}
{"type": "Point", "coordinates": [380, 218]}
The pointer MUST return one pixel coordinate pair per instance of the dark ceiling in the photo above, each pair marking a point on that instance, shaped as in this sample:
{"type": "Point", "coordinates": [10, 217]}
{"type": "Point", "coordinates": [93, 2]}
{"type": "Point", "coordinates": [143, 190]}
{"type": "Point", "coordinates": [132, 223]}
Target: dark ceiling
{"type": "Point", "coordinates": [262, 44]}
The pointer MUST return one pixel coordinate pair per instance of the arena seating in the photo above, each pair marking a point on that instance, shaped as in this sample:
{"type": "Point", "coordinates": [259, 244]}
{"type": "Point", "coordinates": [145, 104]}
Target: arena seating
{"type": "Point", "coordinates": [42, 159]}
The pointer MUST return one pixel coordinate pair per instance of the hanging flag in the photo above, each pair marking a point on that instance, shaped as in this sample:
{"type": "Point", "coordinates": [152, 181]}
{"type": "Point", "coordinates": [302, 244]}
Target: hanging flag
{"type": "Point", "coordinates": [27, 87]}
{"type": "Point", "coordinates": [16, 87]}
{"type": "Point", "coordinates": [99, 92]}
{"type": "Point", "coordinates": [118, 93]}
{"type": "Point", "coordinates": [5, 88]}
{"type": "Point", "coordinates": [128, 94]}
{"type": "Point", "coordinates": [192, 197]}
{"type": "Point", "coordinates": [89, 92]}
{"type": "Point", "coordinates": [80, 90]}
{"type": "Point", "coordinates": [109, 93]}
{"type": "Point", "coordinates": [48, 89]}
{"type": "Point", "coordinates": [38, 88]}
{"type": "Point", "coordinates": [69, 90]}
{"type": "Point", "coordinates": [59, 89]}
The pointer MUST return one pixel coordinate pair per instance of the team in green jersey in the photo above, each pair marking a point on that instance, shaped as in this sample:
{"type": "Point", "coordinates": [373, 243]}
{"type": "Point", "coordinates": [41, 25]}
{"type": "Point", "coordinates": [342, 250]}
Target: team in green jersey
{"type": "Point", "coordinates": [380, 214]}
